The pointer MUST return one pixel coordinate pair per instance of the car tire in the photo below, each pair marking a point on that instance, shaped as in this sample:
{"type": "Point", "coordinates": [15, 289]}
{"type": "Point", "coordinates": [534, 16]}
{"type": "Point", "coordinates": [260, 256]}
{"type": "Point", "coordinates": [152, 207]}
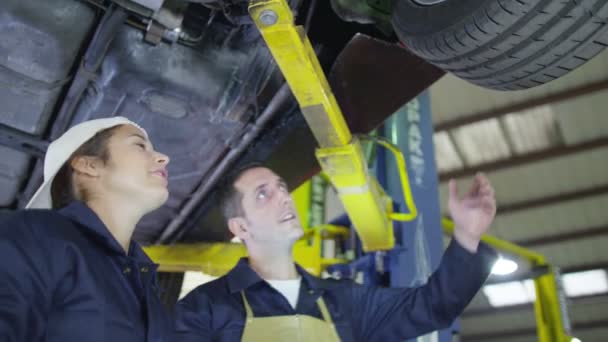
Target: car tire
{"type": "Point", "coordinates": [504, 44]}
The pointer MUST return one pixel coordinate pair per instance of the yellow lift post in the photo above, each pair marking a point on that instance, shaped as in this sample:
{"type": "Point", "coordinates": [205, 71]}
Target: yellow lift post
{"type": "Point", "coordinates": [552, 322]}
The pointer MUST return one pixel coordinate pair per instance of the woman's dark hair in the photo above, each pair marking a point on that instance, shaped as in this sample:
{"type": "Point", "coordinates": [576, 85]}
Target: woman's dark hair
{"type": "Point", "coordinates": [63, 191]}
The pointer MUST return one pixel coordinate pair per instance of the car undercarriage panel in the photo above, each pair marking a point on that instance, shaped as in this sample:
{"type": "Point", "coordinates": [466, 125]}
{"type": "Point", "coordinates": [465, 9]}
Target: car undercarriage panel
{"type": "Point", "coordinates": [197, 98]}
{"type": "Point", "coordinates": [193, 104]}
{"type": "Point", "coordinates": [40, 44]}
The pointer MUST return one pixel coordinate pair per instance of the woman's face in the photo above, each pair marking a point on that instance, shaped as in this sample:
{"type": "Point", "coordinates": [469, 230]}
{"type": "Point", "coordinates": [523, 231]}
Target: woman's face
{"type": "Point", "coordinates": [134, 171]}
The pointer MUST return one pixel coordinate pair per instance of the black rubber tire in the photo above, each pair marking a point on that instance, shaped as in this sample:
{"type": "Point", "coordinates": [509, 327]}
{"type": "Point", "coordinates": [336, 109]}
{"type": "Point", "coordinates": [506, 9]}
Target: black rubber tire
{"type": "Point", "coordinates": [504, 44]}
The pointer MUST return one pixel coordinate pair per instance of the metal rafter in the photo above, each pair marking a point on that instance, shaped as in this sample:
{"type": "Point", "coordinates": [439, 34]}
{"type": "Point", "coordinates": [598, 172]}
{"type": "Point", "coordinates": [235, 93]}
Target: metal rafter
{"type": "Point", "coordinates": [550, 153]}
{"type": "Point", "coordinates": [528, 306]}
{"type": "Point", "coordinates": [561, 96]}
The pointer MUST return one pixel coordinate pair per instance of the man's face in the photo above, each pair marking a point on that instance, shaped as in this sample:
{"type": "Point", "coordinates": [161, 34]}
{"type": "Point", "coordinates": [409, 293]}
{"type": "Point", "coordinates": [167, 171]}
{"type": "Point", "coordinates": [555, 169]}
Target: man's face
{"type": "Point", "coordinates": [269, 214]}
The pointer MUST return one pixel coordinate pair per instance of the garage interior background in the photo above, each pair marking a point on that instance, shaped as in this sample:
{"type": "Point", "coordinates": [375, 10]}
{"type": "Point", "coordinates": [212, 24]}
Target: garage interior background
{"type": "Point", "coordinates": [546, 152]}
{"type": "Point", "coordinates": [545, 149]}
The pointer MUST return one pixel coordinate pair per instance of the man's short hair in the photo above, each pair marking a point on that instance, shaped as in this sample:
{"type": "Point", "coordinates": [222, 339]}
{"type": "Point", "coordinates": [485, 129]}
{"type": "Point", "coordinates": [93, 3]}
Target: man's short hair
{"type": "Point", "coordinates": [230, 198]}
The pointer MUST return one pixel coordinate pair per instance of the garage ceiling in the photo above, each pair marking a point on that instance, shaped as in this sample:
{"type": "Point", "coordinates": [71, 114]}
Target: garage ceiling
{"type": "Point", "coordinates": [546, 152]}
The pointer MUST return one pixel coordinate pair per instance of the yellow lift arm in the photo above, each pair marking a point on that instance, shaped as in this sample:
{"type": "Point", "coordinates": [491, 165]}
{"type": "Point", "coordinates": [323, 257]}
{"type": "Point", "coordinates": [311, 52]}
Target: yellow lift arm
{"type": "Point", "coordinates": [217, 259]}
{"type": "Point", "coordinates": [552, 322]}
{"type": "Point", "coordinates": [340, 154]}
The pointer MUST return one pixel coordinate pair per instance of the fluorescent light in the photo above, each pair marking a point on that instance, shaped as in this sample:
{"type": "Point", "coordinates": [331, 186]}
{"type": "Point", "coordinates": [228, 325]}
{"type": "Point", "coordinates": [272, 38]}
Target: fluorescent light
{"type": "Point", "coordinates": [574, 339]}
{"type": "Point", "coordinates": [504, 266]}
{"type": "Point", "coordinates": [530, 289]}
{"type": "Point", "coordinates": [510, 293]}
{"type": "Point", "coordinates": [585, 283]}
{"type": "Point", "coordinates": [521, 292]}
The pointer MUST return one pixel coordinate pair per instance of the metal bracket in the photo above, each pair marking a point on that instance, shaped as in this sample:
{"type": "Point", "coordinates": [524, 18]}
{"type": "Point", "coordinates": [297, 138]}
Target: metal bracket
{"type": "Point", "coordinates": [24, 142]}
{"type": "Point", "coordinates": [376, 12]}
{"type": "Point", "coordinates": [156, 33]}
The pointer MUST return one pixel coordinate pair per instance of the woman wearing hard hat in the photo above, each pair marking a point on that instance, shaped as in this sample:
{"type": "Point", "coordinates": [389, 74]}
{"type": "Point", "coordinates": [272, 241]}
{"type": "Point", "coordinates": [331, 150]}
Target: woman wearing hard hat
{"type": "Point", "coordinates": [68, 269]}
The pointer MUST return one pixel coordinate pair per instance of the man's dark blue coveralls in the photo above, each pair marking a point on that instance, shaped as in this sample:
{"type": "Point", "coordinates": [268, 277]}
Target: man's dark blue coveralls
{"type": "Point", "coordinates": [215, 311]}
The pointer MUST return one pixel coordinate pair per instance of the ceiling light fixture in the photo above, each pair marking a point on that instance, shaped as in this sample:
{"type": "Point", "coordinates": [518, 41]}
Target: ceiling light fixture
{"type": "Point", "coordinates": [504, 266]}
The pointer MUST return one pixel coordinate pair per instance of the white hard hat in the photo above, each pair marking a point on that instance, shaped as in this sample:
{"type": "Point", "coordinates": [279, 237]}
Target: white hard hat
{"type": "Point", "coordinates": [60, 151]}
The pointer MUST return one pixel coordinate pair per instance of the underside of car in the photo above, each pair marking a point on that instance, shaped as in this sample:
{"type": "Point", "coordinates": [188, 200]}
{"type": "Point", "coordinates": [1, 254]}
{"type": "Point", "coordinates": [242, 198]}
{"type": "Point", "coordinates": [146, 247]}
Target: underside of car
{"type": "Point", "coordinates": [199, 78]}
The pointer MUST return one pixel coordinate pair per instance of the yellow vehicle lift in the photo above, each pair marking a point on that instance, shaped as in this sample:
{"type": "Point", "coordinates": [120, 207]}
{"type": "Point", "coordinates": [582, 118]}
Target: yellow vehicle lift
{"type": "Point", "coordinates": [217, 259]}
{"type": "Point", "coordinates": [342, 159]}
{"type": "Point", "coordinates": [552, 322]}
{"type": "Point", "coordinates": [340, 154]}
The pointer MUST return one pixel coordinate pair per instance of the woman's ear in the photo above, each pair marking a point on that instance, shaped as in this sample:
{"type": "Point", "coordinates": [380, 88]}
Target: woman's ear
{"type": "Point", "coordinates": [85, 165]}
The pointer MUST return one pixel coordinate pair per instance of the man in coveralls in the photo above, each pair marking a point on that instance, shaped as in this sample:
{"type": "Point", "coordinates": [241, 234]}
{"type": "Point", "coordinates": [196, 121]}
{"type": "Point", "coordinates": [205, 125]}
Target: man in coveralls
{"type": "Point", "coordinates": [268, 297]}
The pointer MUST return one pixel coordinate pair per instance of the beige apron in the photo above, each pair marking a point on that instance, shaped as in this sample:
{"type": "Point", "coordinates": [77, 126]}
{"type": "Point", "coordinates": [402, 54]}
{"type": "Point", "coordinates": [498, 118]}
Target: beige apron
{"type": "Point", "coordinates": [291, 328]}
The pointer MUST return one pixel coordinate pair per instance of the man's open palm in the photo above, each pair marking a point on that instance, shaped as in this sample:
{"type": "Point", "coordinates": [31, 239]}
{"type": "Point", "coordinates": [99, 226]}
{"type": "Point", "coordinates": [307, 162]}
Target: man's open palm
{"type": "Point", "coordinates": [474, 212]}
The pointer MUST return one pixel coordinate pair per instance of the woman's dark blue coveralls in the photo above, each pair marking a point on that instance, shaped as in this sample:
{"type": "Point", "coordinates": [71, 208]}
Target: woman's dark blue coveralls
{"type": "Point", "coordinates": [63, 277]}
